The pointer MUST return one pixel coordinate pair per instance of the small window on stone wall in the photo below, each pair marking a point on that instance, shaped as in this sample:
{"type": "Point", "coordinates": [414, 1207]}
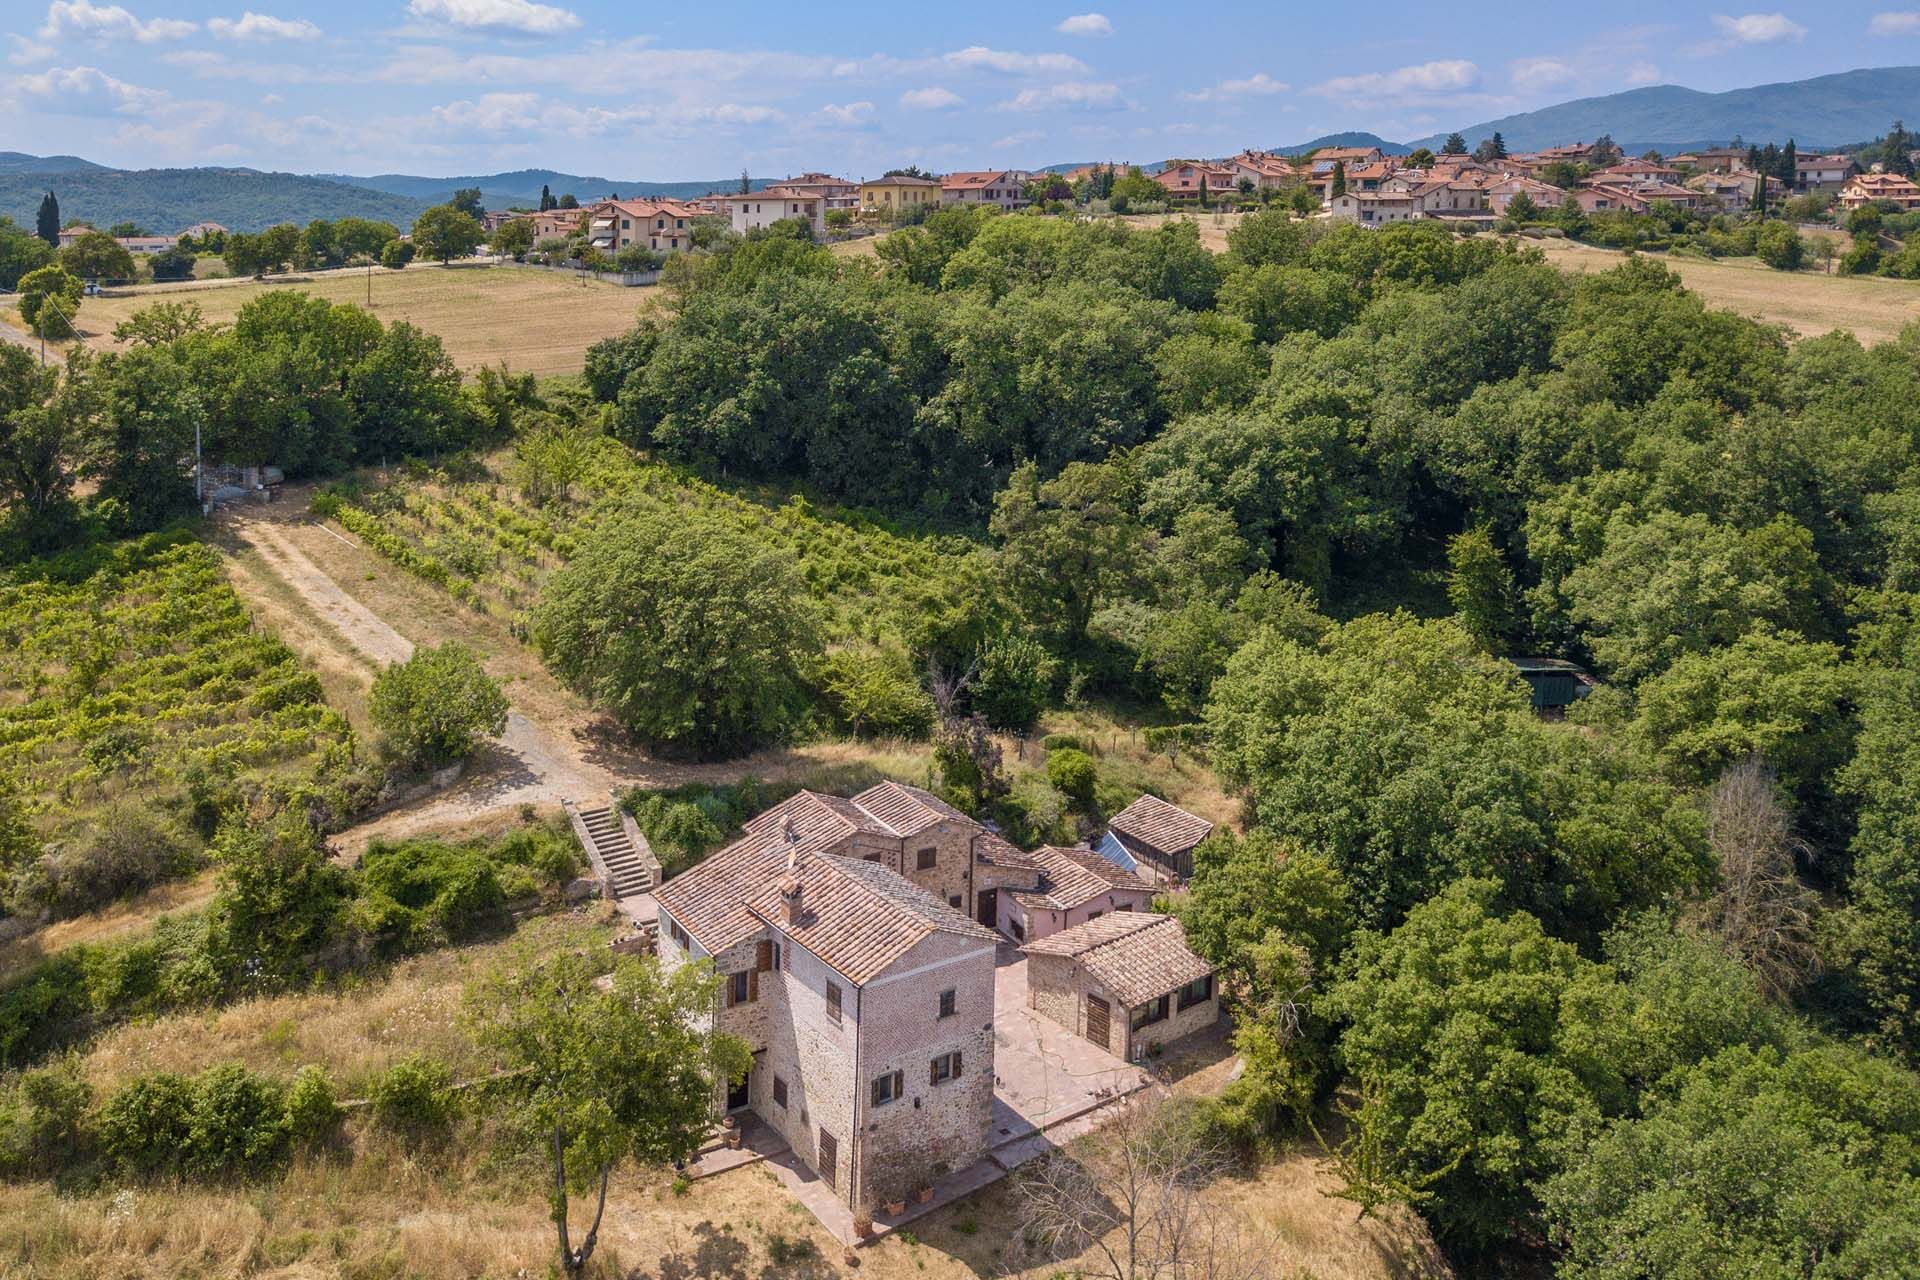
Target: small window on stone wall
{"type": "Point", "coordinates": [926, 858]}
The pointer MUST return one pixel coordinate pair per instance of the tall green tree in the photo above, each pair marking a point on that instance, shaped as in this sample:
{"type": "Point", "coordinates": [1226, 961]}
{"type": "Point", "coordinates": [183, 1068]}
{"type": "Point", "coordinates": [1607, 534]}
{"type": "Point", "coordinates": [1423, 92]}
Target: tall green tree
{"type": "Point", "coordinates": [98, 256]}
{"type": "Point", "coordinates": [49, 301]}
{"type": "Point", "coordinates": [692, 632]}
{"type": "Point", "coordinates": [603, 1075]}
{"type": "Point", "coordinates": [446, 233]}
{"type": "Point", "coordinates": [1455, 145]}
{"type": "Point", "coordinates": [438, 705]}
{"type": "Point", "coordinates": [47, 223]}
{"type": "Point", "coordinates": [1480, 587]}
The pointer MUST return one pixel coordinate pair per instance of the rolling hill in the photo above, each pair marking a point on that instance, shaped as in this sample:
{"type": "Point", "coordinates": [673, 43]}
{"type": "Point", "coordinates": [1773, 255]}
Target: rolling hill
{"type": "Point", "coordinates": [522, 186]}
{"type": "Point", "coordinates": [1825, 111]}
{"type": "Point", "coordinates": [165, 200]}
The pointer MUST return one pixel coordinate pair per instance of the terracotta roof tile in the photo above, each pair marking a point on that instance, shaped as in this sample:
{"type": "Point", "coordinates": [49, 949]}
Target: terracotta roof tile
{"type": "Point", "coordinates": [1161, 826]}
{"type": "Point", "coordinates": [905, 810]}
{"type": "Point", "coordinates": [1074, 877]}
{"type": "Point", "coordinates": [1136, 955]}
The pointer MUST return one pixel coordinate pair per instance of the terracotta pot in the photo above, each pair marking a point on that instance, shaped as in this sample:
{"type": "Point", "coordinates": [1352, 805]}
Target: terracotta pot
{"type": "Point", "coordinates": [733, 1139]}
{"type": "Point", "coordinates": [924, 1195]}
{"type": "Point", "coordinates": [896, 1207]}
{"type": "Point", "coordinates": [863, 1227]}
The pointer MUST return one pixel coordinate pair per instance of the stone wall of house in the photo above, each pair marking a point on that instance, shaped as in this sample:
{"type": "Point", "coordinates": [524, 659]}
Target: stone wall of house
{"type": "Point", "coordinates": [951, 876]}
{"type": "Point", "coordinates": [1178, 1023]}
{"type": "Point", "coordinates": [931, 1128]}
{"type": "Point", "coordinates": [1056, 991]}
{"type": "Point", "coordinates": [811, 1055]}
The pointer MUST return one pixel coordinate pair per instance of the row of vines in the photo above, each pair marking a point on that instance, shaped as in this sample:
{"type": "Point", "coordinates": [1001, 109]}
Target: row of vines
{"type": "Point", "coordinates": [481, 539]}
{"type": "Point", "coordinates": [144, 672]}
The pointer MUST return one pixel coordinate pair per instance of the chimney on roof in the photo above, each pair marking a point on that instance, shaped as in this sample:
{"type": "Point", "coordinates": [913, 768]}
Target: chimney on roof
{"type": "Point", "coordinates": [790, 893]}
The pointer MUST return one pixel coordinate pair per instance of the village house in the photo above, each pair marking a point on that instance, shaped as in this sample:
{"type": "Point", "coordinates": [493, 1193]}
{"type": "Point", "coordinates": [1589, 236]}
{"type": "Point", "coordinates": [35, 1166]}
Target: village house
{"type": "Point", "coordinates": [1569, 152]}
{"type": "Point", "coordinates": [984, 186]}
{"type": "Point", "coordinates": [1870, 188]}
{"type": "Point", "coordinates": [1712, 160]}
{"type": "Point", "coordinates": [664, 226]}
{"type": "Point", "coordinates": [1544, 195]}
{"type": "Point", "coordinates": [1608, 199]}
{"type": "Point", "coordinates": [1188, 180]}
{"type": "Point", "coordinates": [139, 246]}
{"type": "Point", "coordinates": [1632, 171]}
{"type": "Point", "coordinates": [1822, 173]}
{"type": "Point", "coordinates": [1154, 840]}
{"type": "Point", "coordinates": [1127, 982]}
{"type": "Point", "coordinates": [201, 230]}
{"type": "Point", "coordinates": [1733, 192]}
{"type": "Point", "coordinates": [898, 193]}
{"type": "Point", "coordinates": [1373, 208]}
{"type": "Point", "coordinates": [555, 224]}
{"type": "Point", "coordinates": [1263, 168]}
{"type": "Point", "coordinates": [868, 1002]}
{"type": "Point", "coordinates": [755, 210]}
{"type": "Point", "coordinates": [834, 193]}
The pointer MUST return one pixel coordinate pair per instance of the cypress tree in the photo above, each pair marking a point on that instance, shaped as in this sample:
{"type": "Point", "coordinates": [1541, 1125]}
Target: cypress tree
{"type": "Point", "coordinates": [1339, 187]}
{"type": "Point", "coordinates": [48, 223]}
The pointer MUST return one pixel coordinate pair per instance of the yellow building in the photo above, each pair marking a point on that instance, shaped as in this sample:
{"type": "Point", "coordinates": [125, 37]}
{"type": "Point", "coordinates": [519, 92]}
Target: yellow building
{"type": "Point", "coordinates": [898, 194]}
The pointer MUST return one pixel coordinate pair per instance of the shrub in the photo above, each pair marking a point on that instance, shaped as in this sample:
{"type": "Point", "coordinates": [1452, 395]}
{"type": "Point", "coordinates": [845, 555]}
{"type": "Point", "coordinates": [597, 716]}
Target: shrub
{"type": "Point", "coordinates": [239, 1122]}
{"type": "Point", "coordinates": [1073, 773]}
{"type": "Point", "coordinates": [43, 1122]}
{"type": "Point", "coordinates": [422, 892]}
{"type": "Point", "coordinates": [145, 1128]}
{"type": "Point", "coordinates": [1011, 684]}
{"type": "Point", "coordinates": [414, 1097]}
{"type": "Point", "coordinates": [437, 705]}
{"type": "Point", "coordinates": [313, 1110]}
{"type": "Point", "coordinates": [127, 849]}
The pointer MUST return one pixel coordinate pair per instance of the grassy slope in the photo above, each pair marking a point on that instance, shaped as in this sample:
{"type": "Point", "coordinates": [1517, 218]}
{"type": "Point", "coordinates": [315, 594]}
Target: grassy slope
{"type": "Point", "coordinates": [376, 1208]}
{"type": "Point", "coordinates": [536, 321]}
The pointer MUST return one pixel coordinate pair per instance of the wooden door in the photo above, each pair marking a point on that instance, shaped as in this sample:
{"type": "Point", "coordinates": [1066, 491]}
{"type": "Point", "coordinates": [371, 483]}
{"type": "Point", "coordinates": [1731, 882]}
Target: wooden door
{"type": "Point", "coordinates": [829, 1157]}
{"type": "Point", "coordinates": [988, 903]}
{"type": "Point", "coordinates": [1099, 1021]}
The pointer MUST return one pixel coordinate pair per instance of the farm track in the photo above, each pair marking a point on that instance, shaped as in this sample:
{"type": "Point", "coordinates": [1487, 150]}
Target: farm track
{"type": "Point", "coordinates": [528, 764]}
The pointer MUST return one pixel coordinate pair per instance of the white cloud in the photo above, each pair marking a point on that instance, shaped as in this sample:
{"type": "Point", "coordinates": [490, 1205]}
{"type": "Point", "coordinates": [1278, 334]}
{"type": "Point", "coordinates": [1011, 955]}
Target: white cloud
{"type": "Point", "coordinates": [1085, 24]}
{"type": "Point", "coordinates": [489, 113]}
{"type": "Point", "coordinates": [108, 22]}
{"type": "Point", "coordinates": [27, 51]}
{"type": "Point", "coordinates": [86, 91]}
{"type": "Point", "coordinates": [1447, 76]}
{"type": "Point", "coordinates": [848, 115]}
{"type": "Point", "coordinates": [1259, 84]}
{"type": "Point", "coordinates": [1533, 75]}
{"type": "Point", "coordinates": [1758, 28]}
{"type": "Point", "coordinates": [1904, 22]}
{"type": "Point", "coordinates": [933, 98]}
{"type": "Point", "coordinates": [260, 26]}
{"type": "Point", "coordinates": [523, 16]}
{"type": "Point", "coordinates": [979, 57]}
{"type": "Point", "coordinates": [1074, 95]}
{"type": "Point", "coordinates": [1018, 139]}
{"type": "Point", "coordinates": [1643, 73]}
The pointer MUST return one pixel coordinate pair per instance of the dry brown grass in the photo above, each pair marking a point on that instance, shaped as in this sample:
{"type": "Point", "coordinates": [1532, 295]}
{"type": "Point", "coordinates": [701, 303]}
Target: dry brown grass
{"type": "Point", "coordinates": [1807, 302]}
{"type": "Point", "coordinates": [377, 1210]}
{"type": "Point", "coordinates": [537, 321]}
{"type": "Point", "coordinates": [135, 914]}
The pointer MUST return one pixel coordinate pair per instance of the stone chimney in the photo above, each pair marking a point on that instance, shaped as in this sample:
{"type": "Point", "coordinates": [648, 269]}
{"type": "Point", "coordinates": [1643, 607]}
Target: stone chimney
{"type": "Point", "coordinates": [790, 891]}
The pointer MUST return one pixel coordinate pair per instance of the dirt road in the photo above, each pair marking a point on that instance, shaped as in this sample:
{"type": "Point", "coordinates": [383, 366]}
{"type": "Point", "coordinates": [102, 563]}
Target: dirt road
{"type": "Point", "coordinates": [10, 334]}
{"type": "Point", "coordinates": [528, 764]}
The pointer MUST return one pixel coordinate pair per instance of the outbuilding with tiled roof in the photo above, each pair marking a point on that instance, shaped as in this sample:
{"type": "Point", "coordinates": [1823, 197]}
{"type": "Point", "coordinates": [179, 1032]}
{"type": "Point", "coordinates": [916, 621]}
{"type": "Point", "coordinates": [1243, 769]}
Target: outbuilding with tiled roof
{"type": "Point", "coordinates": [1154, 839]}
{"type": "Point", "coordinates": [1127, 982]}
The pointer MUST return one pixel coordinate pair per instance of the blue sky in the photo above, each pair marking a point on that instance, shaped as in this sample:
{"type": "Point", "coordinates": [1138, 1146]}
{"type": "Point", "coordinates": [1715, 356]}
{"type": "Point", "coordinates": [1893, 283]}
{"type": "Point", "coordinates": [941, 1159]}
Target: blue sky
{"type": "Point", "coordinates": [698, 91]}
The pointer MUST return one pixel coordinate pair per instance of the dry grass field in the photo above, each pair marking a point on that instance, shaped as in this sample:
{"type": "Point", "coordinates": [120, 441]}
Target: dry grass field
{"type": "Point", "coordinates": [537, 321]}
{"type": "Point", "coordinates": [375, 1208]}
{"type": "Point", "coordinates": [1807, 302]}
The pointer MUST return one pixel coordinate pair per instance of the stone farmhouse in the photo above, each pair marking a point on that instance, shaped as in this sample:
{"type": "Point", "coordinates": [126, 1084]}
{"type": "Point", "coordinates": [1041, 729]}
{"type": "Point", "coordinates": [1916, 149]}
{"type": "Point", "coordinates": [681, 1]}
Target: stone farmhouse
{"type": "Point", "coordinates": [857, 941]}
{"type": "Point", "coordinates": [867, 1001]}
{"type": "Point", "coordinates": [1127, 982]}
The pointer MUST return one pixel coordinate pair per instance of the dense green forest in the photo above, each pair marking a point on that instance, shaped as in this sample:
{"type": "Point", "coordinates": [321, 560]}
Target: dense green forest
{"type": "Point", "coordinates": [167, 200]}
{"type": "Point", "coordinates": [1632, 994]}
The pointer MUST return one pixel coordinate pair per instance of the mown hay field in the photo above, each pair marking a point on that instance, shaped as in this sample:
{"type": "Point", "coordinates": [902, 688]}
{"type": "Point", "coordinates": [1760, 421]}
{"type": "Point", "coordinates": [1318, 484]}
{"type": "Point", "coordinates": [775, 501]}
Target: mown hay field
{"type": "Point", "coordinates": [534, 320]}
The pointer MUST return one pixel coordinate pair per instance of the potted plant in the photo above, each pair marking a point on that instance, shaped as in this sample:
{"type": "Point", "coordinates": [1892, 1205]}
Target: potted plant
{"type": "Point", "coordinates": [863, 1225]}
{"type": "Point", "coordinates": [924, 1192]}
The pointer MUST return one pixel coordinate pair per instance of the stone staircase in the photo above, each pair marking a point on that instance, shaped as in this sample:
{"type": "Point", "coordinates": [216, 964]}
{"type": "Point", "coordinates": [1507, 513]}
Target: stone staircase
{"type": "Point", "coordinates": [620, 855]}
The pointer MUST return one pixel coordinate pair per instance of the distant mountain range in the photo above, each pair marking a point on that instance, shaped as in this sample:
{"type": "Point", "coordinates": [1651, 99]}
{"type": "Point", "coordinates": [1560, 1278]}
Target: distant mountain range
{"type": "Point", "coordinates": [522, 186]}
{"type": "Point", "coordinates": [1825, 111]}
